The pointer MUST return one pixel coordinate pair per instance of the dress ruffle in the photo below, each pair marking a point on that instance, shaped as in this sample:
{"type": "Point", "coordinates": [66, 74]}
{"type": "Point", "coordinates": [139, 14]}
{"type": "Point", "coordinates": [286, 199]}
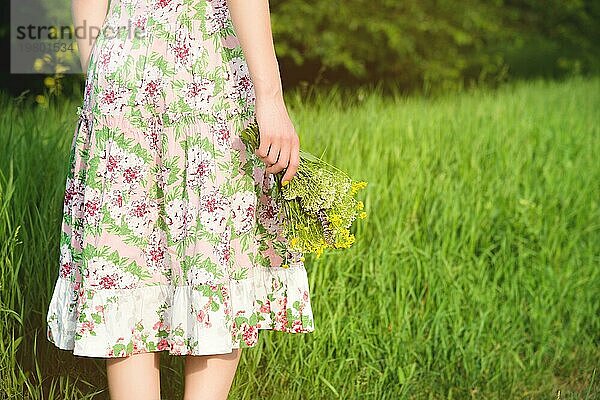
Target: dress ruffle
{"type": "Point", "coordinates": [183, 320]}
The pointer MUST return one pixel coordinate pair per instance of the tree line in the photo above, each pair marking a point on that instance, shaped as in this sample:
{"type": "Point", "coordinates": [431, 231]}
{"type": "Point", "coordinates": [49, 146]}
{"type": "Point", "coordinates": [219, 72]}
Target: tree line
{"type": "Point", "coordinates": [420, 44]}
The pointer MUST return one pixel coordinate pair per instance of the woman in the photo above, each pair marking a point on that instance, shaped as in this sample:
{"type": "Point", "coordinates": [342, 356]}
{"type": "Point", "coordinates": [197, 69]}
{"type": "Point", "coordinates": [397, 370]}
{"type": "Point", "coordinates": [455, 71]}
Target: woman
{"type": "Point", "coordinates": [171, 240]}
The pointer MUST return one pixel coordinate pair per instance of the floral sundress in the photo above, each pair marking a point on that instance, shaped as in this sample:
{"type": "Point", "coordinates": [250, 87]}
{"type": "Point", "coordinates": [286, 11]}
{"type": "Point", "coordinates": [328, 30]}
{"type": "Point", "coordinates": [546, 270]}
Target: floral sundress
{"type": "Point", "coordinates": [171, 239]}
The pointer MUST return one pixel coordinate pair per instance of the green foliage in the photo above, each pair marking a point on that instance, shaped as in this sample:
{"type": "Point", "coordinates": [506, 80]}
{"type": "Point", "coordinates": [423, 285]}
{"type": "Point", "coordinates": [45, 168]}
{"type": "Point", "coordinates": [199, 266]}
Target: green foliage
{"type": "Point", "coordinates": [433, 44]}
{"type": "Point", "coordinates": [413, 42]}
{"type": "Point", "coordinates": [422, 45]}
{"type": "Point", "coordinates": [552, 37]}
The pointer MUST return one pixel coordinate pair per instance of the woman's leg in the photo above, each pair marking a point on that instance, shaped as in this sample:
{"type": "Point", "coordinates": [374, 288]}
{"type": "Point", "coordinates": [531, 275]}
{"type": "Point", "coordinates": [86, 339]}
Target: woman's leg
{"type": "Point", "coordinates": [210, 377]}
{"type": "Point", "coordinates": [134, 377]}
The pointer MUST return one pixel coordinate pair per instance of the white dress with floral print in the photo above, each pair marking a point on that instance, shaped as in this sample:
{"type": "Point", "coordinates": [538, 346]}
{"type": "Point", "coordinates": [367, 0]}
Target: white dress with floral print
{"type": "Point", "coordinates": [171, 239]}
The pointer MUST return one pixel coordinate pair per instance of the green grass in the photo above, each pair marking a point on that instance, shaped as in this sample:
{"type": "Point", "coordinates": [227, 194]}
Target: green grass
{"type": "Point", "coordinates": [475, 276]}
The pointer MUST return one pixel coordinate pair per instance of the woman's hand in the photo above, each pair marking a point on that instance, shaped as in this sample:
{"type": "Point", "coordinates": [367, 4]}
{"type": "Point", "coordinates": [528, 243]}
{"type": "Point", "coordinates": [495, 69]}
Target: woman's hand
{"type": "Point", "coordinates": [279, 143]}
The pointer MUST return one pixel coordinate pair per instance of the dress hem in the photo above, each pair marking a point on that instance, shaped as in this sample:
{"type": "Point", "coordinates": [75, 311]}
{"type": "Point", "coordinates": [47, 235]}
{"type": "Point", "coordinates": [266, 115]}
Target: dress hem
{"type": "Point", "coordinates": [183, 320]}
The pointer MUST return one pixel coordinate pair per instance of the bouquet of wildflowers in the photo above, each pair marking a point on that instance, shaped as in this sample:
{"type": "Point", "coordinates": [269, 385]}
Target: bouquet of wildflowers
{"type": "Point", "coordinates": [319, 203]}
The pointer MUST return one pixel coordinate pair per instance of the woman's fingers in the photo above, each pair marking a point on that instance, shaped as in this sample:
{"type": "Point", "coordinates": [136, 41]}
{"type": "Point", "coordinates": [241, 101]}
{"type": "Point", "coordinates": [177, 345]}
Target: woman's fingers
{"type": "Point", "coordinates": [263, 149]}
{"type": "Point", "coordinates": [278, 143]}
{"type": "Point", "coordinates": [272, 153]}
{"type": "Point", "coordinates": [280, 155]}
{"type": "Point", "coordinates": [294, 162]}
{"type": "Point", "coordinates": [282, 161]}
{"type": "Point", "coordinates": [267, 151]}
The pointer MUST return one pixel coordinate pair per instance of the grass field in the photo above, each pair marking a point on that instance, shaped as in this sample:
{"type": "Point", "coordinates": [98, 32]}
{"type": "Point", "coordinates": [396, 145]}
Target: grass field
{"type": "Point", "coordinates": [475, 276]}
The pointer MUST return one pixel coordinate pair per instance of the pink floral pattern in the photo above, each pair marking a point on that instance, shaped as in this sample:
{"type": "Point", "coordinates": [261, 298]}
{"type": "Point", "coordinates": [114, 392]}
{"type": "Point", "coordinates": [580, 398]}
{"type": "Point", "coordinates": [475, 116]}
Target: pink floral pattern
{"type": "Point", "coordinates": [171, 239]}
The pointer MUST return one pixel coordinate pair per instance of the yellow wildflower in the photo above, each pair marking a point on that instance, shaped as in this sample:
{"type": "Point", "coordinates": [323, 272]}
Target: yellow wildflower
{"type": "Point", "coordinates": [335, 219]}
{"type": "Point", "coordinates": [61, 69]}
{"type": "Point", "coordinates": [362, 215]}
{"type": "Point", "coordinates": [343, 240]}
{"type": "Point", "coordinates": [358, 186]}
{"type": "Point", "coordinates": [350, 240]}
{"type": "Point", "coordinates": [38, 65]}
{"type": "Point", "coordinates": [49, 81]}
{"type": "Point", "coordinates": [320, 249]}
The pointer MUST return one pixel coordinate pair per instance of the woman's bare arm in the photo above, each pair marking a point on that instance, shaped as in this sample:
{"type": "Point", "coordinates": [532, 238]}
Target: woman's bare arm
{"type": "Point", "coordinates": [93, 14]}
{"type": "Point", "coordinates": [279, 142]}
